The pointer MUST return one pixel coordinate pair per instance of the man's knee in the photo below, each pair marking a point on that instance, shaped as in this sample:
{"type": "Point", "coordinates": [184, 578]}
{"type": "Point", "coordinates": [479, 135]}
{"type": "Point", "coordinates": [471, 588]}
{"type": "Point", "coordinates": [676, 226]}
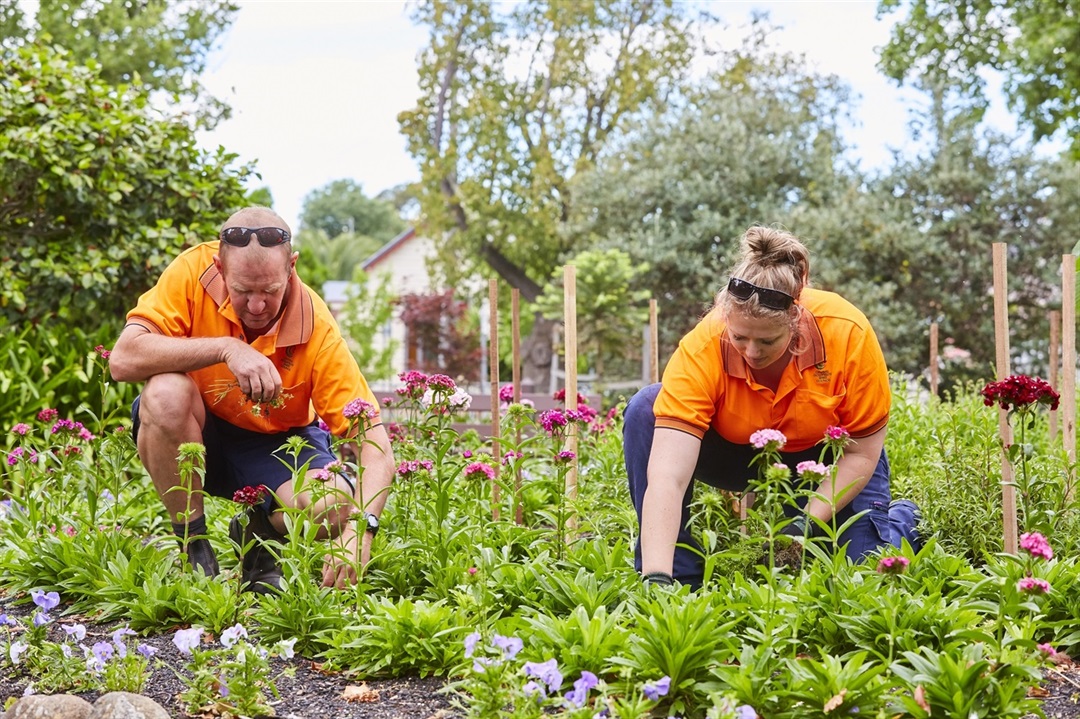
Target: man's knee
{"type": "Point", "coordinates": [170, 398]}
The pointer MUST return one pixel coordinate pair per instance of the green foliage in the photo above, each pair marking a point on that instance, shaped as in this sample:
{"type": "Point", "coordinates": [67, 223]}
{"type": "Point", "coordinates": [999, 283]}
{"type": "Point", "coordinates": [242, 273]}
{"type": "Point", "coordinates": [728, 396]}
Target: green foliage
{"type": "Point", "coordinates": [100, 192]}
{"type": "Point", "coordinates": [611, 310]}
{"type": "Point", "coordinates": [789, 644]}
{"type": "Point", "coordinates": [369, 306]}
{"type": "Point", "coordinates": [324, 258]}
{"type": "Point", "coordinates": [341, 208]}
{"type": "Point", "coordinates": [927, 255]}
{"type": "Point", "coordinates": [967, 683]}
{"type": "Point", "coordinates": [46, 366]}
{"type": "Point", "coordinates": [156, 45]}
{"type": "Point", "coordinates": [950, 41]}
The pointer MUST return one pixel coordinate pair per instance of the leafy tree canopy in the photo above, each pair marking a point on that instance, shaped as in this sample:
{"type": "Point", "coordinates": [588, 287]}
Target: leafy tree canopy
{"type": "Point", "coordinates": [749, 144]}
{"type": "Point", "coordinates": [97, 191]}
{"type": "Point", "coordinates": [341, 208]}
{"type": "Point", "coordinates": [1033, 42]}
{"type": "Point", "coordinates": [512, 104]}
{"type": "Point", "coordinates": [612, 311]}
{"type": "Point", "coordinates": [162, 44]}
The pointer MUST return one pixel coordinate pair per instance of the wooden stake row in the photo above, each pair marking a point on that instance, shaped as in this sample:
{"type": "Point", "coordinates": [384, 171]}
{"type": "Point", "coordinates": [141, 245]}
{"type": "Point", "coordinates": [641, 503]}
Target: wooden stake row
{"type": "Point", "coordinates": [1067, 319]}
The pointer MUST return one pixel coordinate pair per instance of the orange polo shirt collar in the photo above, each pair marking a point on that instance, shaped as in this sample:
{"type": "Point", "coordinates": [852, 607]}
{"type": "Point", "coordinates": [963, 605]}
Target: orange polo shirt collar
{"type": "Point", "coordinates": [292, 328]}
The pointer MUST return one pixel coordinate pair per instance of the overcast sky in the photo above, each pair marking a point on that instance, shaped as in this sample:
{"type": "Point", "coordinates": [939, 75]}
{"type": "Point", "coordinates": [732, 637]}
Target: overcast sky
{"type": "Point", "coordinates": [316, 87]}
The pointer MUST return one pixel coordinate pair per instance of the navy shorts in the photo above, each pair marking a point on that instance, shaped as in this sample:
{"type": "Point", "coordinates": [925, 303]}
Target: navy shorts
{"type": "Point", "coordinates": [238, 457]}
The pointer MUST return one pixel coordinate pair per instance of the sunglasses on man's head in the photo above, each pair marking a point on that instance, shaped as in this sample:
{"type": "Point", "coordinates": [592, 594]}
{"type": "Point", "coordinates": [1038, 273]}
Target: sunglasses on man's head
{"type": "Point", "coordinates": [773, 299]}
{"type": "Point", "coordinates": [267, 236]}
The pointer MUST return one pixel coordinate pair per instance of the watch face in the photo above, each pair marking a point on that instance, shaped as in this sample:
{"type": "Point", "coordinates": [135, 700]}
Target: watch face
{"type": "Point", "coordinates": [372, 522]}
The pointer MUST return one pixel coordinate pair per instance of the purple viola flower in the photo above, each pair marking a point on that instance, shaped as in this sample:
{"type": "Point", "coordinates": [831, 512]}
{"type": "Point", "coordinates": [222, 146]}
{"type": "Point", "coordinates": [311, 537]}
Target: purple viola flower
{"type": "Point", "coordinates": [101, 653]}
{"type": "Point", "coordinates": [510, 646]}
{"type": "Point", "coordinates": [547, 672]}
{"type": "Point", "coordinates": [146, 650]}
{"type": "Point", "coordinates": [232, 635]}
{"type": "Point", "coordinates": [470, 644]}
{"type": "Point", "coordinates": [46, 601]}
{"type": "Point", "coordinates": [654, 690]}
{"type": "Point", "coordinates": [41, 619]}
{"type": "Point", "coordinates": [75, 631]}
{"type": "Point", "coordinates": [580, 693]}
{"type": "Point", "coordinates": [187, 639]}
{"type": "Point", "coordinates": [118, 640]}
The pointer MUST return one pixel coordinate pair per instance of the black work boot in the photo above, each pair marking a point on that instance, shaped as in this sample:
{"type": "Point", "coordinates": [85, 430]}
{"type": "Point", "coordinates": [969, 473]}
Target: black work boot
{"type": "Point", "coordinates": [260, 572]}
{"type": "Point", "coordinates": [200, 555]}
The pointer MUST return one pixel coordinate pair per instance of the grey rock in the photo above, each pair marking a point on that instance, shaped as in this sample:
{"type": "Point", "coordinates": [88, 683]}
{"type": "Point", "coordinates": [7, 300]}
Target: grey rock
{"type": "Point", "coordinates": [50, 706]}
{"type": "Point", "coordinates": [124, 705]}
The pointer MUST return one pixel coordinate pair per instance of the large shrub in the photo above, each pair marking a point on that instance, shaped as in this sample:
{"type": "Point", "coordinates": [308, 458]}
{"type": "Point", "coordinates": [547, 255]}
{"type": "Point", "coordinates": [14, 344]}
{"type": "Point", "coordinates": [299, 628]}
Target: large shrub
{"type": "Point", "coordinates": [98, 190]}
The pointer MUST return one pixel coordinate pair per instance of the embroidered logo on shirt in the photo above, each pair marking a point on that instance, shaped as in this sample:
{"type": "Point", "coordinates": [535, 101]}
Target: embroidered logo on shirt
{"type": "Point", "coordinates": [821, 374]}
{"type": "Point", "coordinates": [287, 363]}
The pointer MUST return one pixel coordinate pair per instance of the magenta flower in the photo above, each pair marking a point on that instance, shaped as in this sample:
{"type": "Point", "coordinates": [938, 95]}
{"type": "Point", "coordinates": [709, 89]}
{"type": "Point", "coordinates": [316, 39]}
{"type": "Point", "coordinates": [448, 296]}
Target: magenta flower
{"type": "Point", "coordinates": [552, 420]}
{"type": "Point", "coordinates": [1020, 391]}
{"type": "Point", "coordinates": [770, 440]}
{"type": "Point", "coordinates": [251, 495]}
{"type": "Point", "coordinates": [511, 455]}
{"type": "Point", "coordinates": [20, 429]}
{"type": "Point", "coordinates": [1036, 545]}
{"type": "Point", "coordinates": [477, 468]}
{"type": "Point", "coordinates": [1033, 585]}
{"type": "Point", "coordinates": [416, 383]}
{"type": "Point", "coordinates": [506, 393]}
{"type": "Point", "coordinates": [410, 467]}
{"type": "Point", "coordinates": [893, 565]}
{"type": "Point", "coordinates": [835, 434]}
{"type": "Point", "coordinates": [48, 415]}
{"type": "Point", "coordinates": [100, 349]}
{"type": "Point", "coordinates": [359, 408]}
{"type": "Point", "coordinates": [565, 457]}
{"type": "Point", "coordinates": [560, 395]}
{"type": "Point", "coordinates": [441, 382]}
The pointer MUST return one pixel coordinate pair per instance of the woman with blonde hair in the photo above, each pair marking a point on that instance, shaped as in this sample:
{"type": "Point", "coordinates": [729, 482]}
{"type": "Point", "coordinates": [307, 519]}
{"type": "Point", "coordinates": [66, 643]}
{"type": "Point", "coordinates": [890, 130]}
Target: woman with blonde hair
{"type": "Point", "coordinates": [772, 353]}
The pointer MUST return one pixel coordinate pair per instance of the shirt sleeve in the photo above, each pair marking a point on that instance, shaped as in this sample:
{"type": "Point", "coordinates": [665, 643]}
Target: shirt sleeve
{"type": "Point", "coordinates": [868, 399]}
{"type": "Point", "coordinates": [691, 390]}
{"type": "Point", "coordinates": [337, 380]}
{"type": "Point", "coordinates": [166, 308]}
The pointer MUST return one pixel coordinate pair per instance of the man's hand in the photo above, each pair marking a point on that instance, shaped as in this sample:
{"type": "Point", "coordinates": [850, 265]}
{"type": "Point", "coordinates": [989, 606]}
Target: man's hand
{"type": "Point", "coordinates": [256, 375]}
{"type": "Point", "coordinates": [351, 551]}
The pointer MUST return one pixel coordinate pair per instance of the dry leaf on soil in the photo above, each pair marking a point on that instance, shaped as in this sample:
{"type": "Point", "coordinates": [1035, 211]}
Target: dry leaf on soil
{"type": "Point", "coordinates": [361, 693]}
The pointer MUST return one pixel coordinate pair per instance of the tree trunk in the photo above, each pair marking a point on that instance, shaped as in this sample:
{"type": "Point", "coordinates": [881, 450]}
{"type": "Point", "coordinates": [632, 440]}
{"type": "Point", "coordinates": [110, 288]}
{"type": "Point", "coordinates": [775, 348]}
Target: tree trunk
{"type": "Point", "coordinates": [536, 356]}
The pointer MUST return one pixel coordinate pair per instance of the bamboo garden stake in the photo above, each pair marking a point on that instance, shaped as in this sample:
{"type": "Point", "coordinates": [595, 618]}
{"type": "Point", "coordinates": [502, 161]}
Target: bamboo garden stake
{"type": "Point", "coordinates": [570, 345]}
{"type": "Point", "coordinates": [933, 359]}
{"type": "Point", "coordinates": [515, 375]}
{"type": "Point", "coordinates": [493, 362]}
{"type": "Point", "coordinates": [1001, 335]}
{"type": "Point", "coordinates": [1068, 354]}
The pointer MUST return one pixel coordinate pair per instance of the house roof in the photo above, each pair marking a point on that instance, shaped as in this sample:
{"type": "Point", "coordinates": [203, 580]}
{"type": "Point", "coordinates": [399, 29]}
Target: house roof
{"type": "Point", "coordinates": [388, 249]}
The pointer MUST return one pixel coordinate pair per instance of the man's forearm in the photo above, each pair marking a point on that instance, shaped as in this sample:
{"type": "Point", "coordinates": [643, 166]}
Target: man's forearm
{"type": "Point", "coordinates": [138, 357]}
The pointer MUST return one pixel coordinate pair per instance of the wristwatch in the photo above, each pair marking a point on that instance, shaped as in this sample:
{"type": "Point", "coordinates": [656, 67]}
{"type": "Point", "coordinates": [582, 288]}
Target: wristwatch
{"type": "Point", "coordinates": [371, 523]}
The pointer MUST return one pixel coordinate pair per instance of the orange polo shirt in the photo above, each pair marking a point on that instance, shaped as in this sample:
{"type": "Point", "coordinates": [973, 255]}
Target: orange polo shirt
{"type": "Point", "coordinates": [841, 380]}
{"type": "Point", "coordinates": [318, 373]}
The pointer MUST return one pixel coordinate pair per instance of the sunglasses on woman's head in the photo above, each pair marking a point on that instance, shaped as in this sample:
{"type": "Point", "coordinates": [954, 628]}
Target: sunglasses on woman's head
{"type": "Point", "coordinates": [773, 299]}
{"type": "Point", "coordinates": [267, 236]}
